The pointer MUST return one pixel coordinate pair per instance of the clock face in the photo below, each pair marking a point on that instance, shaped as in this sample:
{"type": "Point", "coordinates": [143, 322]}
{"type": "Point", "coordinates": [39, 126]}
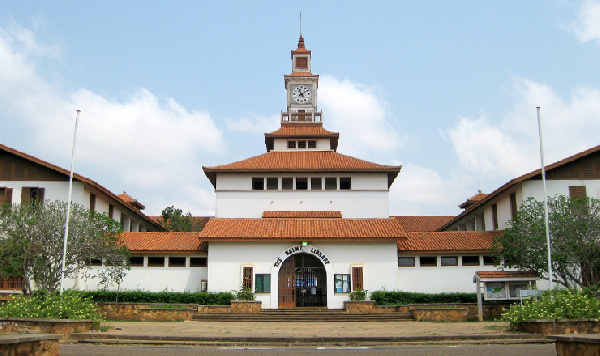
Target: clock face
{"type": "Point", "coordinates": [301, 94]}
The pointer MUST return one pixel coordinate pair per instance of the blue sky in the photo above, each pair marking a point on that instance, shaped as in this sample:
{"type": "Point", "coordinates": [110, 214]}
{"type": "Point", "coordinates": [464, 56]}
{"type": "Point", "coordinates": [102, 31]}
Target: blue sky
{"type": "Point", "coordinates": [447, 89]}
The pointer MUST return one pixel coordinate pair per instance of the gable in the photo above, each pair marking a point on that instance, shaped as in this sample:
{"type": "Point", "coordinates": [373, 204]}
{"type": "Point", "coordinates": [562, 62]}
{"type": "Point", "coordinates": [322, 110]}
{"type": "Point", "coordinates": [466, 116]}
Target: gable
{"type": "Point", "coordinates": [15, 168]}
{"type": "Point", "coordinates": [584, 168]}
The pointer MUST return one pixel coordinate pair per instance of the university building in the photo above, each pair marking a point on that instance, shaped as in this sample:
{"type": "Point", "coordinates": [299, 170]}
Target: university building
{"type": "Point", "coordinates": [302, 224]}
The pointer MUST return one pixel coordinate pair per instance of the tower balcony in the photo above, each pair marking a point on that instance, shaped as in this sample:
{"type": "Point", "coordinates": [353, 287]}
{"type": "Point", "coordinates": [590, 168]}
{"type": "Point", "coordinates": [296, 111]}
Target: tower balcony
{"type": "Point", "coordinates": [301, 117]}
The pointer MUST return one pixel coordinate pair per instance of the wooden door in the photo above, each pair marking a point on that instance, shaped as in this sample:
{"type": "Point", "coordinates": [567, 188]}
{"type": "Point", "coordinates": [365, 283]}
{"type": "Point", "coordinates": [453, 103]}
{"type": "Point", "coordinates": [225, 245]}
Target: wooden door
{"type": "Point", "coordinates": [287, 283]}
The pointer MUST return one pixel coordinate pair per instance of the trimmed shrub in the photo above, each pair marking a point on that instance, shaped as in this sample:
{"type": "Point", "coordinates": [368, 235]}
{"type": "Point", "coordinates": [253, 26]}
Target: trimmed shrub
{"type": "Point", "coordinates": [138, 296]}
{"type": "Point", "coordinates": [555, 304]}
{"type": "Point", "coordinates": [42, 304]}
{"type": "Point", "coordinates": [404, 298]}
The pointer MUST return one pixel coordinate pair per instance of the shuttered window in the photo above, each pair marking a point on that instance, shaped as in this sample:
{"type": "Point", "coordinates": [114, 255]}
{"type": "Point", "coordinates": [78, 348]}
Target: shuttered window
{"type": "Point", "coordinates": [5, 195]}
{"type": "Point", "coordinates": [495, 216]}
{"type": "Point", "coordinates": [92, 202]}
{"type": "Point", "coordinates": [301, 62]}
{"type": "Point", "coordinates": [577, 192]}
{"type": "Point", "coordinates": [513, 205]}
{"type": "Point", "coordinates": [247, 277]}
{"type": "Point", "coordinates": [357, 278]}
{"type": "Point", "coordinates": [32, 195]}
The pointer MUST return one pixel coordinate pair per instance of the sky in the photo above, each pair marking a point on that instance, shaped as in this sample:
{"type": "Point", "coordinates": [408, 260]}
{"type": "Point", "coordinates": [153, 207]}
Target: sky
{"type": "Point", "coordinates": [447, 89]}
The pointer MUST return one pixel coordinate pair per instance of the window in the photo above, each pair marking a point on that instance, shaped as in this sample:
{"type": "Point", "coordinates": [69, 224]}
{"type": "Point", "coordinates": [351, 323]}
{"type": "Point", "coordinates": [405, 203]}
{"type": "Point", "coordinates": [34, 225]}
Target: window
{"type": "Point", "coordinates": [5, 195]}
{"type": "Point", "coordinates": [470, 260]}
{"type": "Point", "coordinates": [111, 211]}
{"type": "Point", "coordinates": [156, 261]}
{"type": "Point", "coordinates": [272, 183]}
{"type": "Point", "coordinates": [92, 202]}
{"type": "Point", "coordinates": [312, 144]}
{"type": "Point", "coordinates": [263, 283]}
{"type": "Point", "coordinates": [330, 183]}
{"type": "Point", "coordinates": [301, 144]}
{"type": "Point", "coordinates": [287, 183]}
{"type": "Point", "coordinates": [291, 144]}
{"type": "Point", "coordinates": [495, 216]}
{"type": "Point", "coordinates": [258, 183]}
{"type": "Point", "coordinates": [198, 262]}
{"type": "Point", "coordinates": [406, 261]}
{"type": "Point", "coordinates": [513, 205]}
{"type": "Point", "coordinates": [301, 183]}
{"type": "Point", "coordinates": [449, 261]}
{"type": "Point", "coordinates": [247, 277]}
{"type": "Point", "coordinates": [489, 261]}
{"type": "Point", "coordinates": [342, 283]}
{"type": "Point", "coordinates": [301, 62]}
{"type": "Point", "coordinates": [203, 285]}
{"type": "Point", "coordinates": [345, 183]}
{"type": "Point", "coordinates": [32, 195]}
{"type": "Point", "coordinates": [357, 278]}
{"type": "Point", "coordinates": [136, 261]}
{"type": "Point", "coordinates": [176, 261]}
{"type": "Point", "coordinates": [316, 184]}
{"type": "Point", "coordinates": [577, 192]}
{"type": "Point", "coordinates": [428, 261]}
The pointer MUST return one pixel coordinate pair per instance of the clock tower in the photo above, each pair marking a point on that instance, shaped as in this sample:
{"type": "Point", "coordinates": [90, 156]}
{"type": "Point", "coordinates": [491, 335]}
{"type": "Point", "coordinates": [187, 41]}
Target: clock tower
{"type": "Point", "coordinates": [301, 86]}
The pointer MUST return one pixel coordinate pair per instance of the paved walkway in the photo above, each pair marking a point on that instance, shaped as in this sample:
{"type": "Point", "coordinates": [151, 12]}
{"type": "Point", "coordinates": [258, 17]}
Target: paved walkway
{"type": "Point", "coordinates": [306, 329]}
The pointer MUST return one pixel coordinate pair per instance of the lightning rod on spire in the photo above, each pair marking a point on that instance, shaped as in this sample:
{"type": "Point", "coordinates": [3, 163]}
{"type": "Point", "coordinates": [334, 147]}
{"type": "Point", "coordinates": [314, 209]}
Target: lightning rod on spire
{"type": "Point", "coordinates": [300, 24]}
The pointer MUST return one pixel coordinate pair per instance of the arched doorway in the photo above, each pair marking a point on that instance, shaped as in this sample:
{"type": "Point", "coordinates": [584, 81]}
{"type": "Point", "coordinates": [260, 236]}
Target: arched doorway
{"type": "Point", "coordinates": [302, 282]}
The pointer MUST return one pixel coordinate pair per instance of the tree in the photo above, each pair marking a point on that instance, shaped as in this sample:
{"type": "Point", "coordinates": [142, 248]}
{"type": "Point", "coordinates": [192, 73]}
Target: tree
{"type": "Point", "coordinates": [574, 226]}
{"type": "Point", "coordinates": [174, 219]}
{"type": "Point", "coordinates": [31, 244]}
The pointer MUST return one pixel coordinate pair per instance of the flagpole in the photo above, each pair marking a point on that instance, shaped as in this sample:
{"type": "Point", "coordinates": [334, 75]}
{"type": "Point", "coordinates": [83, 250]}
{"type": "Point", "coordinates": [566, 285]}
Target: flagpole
{"type": "Point", "coordinates": [66, 236]}
{"type": "Point", "coordinates": [546, 223]}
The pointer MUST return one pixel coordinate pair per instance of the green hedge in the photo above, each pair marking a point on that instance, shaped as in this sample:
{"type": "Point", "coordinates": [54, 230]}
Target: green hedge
{"type": "Point", "coordinates": [403, 298]}
{"type": "Point", "coordinates": [200, 298]}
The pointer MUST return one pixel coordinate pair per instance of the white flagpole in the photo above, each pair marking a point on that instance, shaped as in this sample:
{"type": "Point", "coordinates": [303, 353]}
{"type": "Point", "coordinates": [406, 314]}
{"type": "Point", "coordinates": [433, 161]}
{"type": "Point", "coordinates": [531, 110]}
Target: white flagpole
{"type": "Point", "coordinates": [66, 237]}
{"type": "Point", "coordinates": [550, 284]}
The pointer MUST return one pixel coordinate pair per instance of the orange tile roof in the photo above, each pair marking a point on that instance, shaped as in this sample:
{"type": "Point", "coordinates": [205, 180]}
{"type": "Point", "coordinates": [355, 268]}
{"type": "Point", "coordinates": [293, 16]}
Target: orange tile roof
{"type": "Point", "coordinates": [422, 223]}
{"type": "Point", "coordinates": [302, 161]}
{"type": "Point", "coordinates": [302, 229]}
{"type": "Point", "coordinates": [448, 241]}
{"type": "Point", "coordinates": [534, 174]}
{"type": "Point", "coordinates": [302, 214]}
{"type": "Point", "coordinates": [133, 203]}
{"type": "Point", "coordinates": [507, 274]}
{"type": "Point", "coordinates": [475, 198]}
{"type": "Point", "coordinates": [301, 130]}
{"type": "Point", "coordinates": [164, 242]}
{"type": "Point", "coordinates": [80, 178]}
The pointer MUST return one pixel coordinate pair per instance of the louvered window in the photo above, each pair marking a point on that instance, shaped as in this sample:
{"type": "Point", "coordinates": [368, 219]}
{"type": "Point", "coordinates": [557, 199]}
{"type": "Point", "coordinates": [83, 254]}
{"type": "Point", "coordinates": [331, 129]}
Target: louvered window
{"type": "Point", "coordinates": [577, 192]}
{"type": "Point", "coordinates": [357, 278]}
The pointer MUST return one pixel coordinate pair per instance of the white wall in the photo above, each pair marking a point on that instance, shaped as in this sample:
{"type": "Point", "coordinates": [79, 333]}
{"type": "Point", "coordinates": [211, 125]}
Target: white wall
{"type": "Point", "coordinates": [227, 259]}
{"type": "Point", "coordinates": [154, 279]}
{"type": "Point", "coordinates": [368, 197]}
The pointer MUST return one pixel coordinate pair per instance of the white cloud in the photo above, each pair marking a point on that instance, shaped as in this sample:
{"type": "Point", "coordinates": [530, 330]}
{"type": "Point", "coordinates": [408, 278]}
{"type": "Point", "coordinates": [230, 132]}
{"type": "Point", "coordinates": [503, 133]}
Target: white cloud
{"type": "Point", "coordinates": [140, 141]}
{"type": "Point", "coordinates": [587, 27]}
{"type": "Point", "coordinates": [421, 191]}
{"type": "Point", "coordinates": [509, 147]}
{"type": "Point", "coordinates": [254, 124]}
{"type": "Point", "coordinates": [360, 113]}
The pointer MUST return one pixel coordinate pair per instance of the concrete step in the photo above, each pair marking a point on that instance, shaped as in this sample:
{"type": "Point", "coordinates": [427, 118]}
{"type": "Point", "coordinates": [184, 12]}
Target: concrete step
{"type": "Point", "coordinates": [313, 316]}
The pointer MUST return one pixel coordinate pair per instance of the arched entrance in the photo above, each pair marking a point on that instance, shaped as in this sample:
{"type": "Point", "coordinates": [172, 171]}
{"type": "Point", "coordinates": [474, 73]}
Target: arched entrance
{"type": "Point", "coordinates": [302, 282]}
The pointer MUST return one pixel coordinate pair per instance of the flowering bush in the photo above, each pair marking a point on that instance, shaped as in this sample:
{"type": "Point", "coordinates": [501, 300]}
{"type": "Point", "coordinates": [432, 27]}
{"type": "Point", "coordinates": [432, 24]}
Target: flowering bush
{"type": "Point", "coordinates": [44, 304]}
{"type": "Point", "coordinates": [555, 304]}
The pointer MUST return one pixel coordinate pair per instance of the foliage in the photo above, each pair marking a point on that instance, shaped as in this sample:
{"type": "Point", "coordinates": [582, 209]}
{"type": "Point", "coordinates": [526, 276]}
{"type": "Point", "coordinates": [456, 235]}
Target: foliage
{"type": "Point", "coordinates": [43, 304]}
{"type": "Point", "coordinates": [31, 237]}
{"type": "Point", "coordinates": [245, 293]}
{"type": "Point", "coordinates": [359, 294]}
{"type": "Point", "coordinates": [555, 304]}
{"type": "Point", "coordinates": [174, 219]}
{"type": "Point", "coordinates": [404, 298]}
{"type": "Point", "coordinates": [139, 296]}
{"type": "Point", "coordinates": [574, 227]}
